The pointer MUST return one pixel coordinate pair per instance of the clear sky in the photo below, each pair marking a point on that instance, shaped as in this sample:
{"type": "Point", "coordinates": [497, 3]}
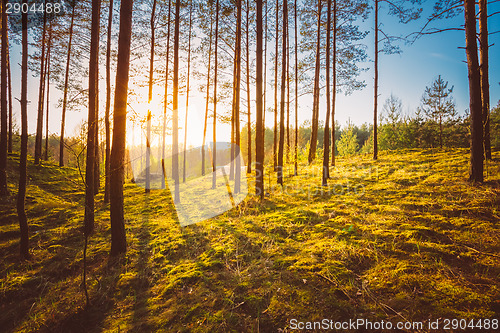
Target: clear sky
{"type": "Point", "coordinates": [405, 75]}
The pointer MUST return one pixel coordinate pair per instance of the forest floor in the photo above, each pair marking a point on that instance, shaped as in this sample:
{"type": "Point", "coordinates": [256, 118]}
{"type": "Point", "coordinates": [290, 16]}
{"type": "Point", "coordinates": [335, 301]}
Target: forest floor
{"type": "Point", "coordinates": [405, 238]}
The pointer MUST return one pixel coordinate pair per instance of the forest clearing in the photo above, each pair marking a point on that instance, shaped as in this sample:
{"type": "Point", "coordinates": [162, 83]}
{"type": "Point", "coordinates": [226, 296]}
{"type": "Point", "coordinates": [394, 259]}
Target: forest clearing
{"type": "Point", "coordinates": [416, 243]}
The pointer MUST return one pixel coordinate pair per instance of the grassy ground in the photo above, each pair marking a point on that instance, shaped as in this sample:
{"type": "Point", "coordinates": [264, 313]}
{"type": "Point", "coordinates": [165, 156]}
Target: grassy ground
{"type": "Point", "coordinates": [403, 238]}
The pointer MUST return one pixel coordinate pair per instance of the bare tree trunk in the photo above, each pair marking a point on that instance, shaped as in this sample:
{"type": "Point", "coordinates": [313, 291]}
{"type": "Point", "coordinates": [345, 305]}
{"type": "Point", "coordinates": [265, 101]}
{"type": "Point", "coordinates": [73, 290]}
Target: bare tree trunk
{"type": "Point", "coordinates": [208, 96]}
{"type": "Point", "coordinates": [187, 95]}
{"type": "Point", "coordinates": [375, 93]}
{"type": "Point", "coordinates": [287, 92]}
{"type": "Point", "coordinates": [66, 83]}
{"type": "Point", "coordinates": [265, 71]}
{"type": "Point", "coordinates": [237, 90]}
{"type": "Point", "coordinates": [249, 121]}
{"type": "Point", "coordinates": [485, 80]}
{"type": "Point", "coordinates": [21, 194]}
{"type": "Point", "coordinates": [214, 148]}
{"type": "Point", "coordinates": [118, 238]}
{"type": "Point", "coordinates": [108, 103]}
{"type": "Point", "coordinates": [175, 119]}
{"type": "Point", "coordinates": [476, 115]}
{"type": "Point", "coordinates": [97, 173]}
{"type": "Point", "coordinates": [315, 117]}
{"type": "Point", "coordinates": [47, 73]}
{"type": "Point", "coordinates": [326, 137]}
{"type": "Point", "coordinates": [150, 98]}
{"type": "Point", "coordinates": [9, 78]}
{"type": "Point", "coordinates": [275, 137]}
{"type": "Point", "coordinates": [296, 91]}
{"type": "Point", "coordinates": [3, 103]}
{"type": "Point", "coordinates": [259, 131]}
{"type": "Point", "coordinates": [334, 77]}
{"type": "Point", "coordinates": [39, 124]}
{"type": "Point", "coordinates": [165, 103]}
{"type": "Point", "coordinates": [283, 101]}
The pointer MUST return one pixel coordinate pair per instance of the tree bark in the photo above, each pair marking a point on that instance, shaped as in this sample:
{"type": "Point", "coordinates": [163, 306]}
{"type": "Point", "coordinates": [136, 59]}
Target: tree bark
{"type": "Point", "coordinates": [165, 102]}
{"type": "Point", "coordinates": [118, 238]}
{"type": "Point", "coordinates": [47, 73]}
{"type": "Point", "coordinates": [334, 77]}
{"type": "Point", "coordinates": [21, 194]}
{"type": "Point", "coordinates": [150, 98]}
{"type": "Point", "coordinates": [259, 130]}
{"type": "Point", "coordinates": [90, 167]}
{"type": "Point", "coordinates": [275, 137]}
{"type": "Point", "coordinates": [249, 122]}
{"type": "Point", "coordinates": [187, 97]}
{"type": "Point", "coordinates": [207, 99]}
{"type": "Point", "coordinates": [236, 107]}
{"type": "Point", "coordinates": [283, 101]}
{"type": "Point", "coordinates": [108, 104]}
{"type": "Point", "coordinates": [214, 148]}
{"type": "Point", "coordinates": [485, 80]}
{"type": "Point", "coordinates": [315, 116]}
{"type": "Point", "coordinates": [476, 116]}
{"type": "Point", "coordinates": [375, 93]}
{"type": "Point", "coordinates": [9, 79]}
{"type": "Point", "coordinates": [175, 120]}
{"type": "Point", "coordinates": [3, 103]}
{"type": "Point", "coordinates": [326, 137]}
{"type": "Point", "coordinates": [66, 83]}
{"type": "Point", "coordinates": [41, 89]}
{"type": "Point", "coordinates": [296, 91]}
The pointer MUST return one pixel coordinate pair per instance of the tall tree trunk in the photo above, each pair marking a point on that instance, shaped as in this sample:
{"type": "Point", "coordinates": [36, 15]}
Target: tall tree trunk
{"type": "Point", "coordinates": [108, 103]}
{"type": "Point", "coordinates": [66, 83]}
{"type": "Point", "coordinates": [118, 239]}
{"type": "Point", "coordinates": [150, 98]}
{"type": "Point", "coordinates": [476, 115]}
{"type": "Point", "coordinates": [21, 194]}
{"type": "Point", "coordinates": [207, 99]}
{"type": "Point", "coordinates": [187, 96]}
{"type": "Point", "coordinates": [89, 173]}
{"type": "Point", "coordinates": [375, 88]}
{"type": "Point", "coordinates": [214, 148]}
{"type": "Point", "coordinates": [175, 119]}
{"type": "Point", "coordinates": [334, 77]}
{"type": "Point", "coordinates": [265, 70]}
{"type": "Point", "coordinates": [41, 89]}
{"type": "Point", "coordinates": [287, 91]}
{"type": "Point", "coordinates": [275, 133]}
{"type": "Point", "coordinates": [259, 124]}
{"type": "Point", "coordinates": [9, 78]}
{"type": "Point", "coordinates": [3, 103]}
{"type": "Point", "coordinates": [315, 116]}
{"type": "Point", "coordinates": [296, 90]}
{"type": "Point", "coordinates": [485, 80]}
{"type": "Point", "coordinates": [47, 73]}
{"type": "Point", "coordinates": [326, 136]}
{"type": "Point", "coordinates": [165, 102]}
{"type": "Point", "coordinates": [237, 90]}
{"type": "Point", "coordinates": [249, 122]}
{"type": "Point", "coordinates": [283, 101]}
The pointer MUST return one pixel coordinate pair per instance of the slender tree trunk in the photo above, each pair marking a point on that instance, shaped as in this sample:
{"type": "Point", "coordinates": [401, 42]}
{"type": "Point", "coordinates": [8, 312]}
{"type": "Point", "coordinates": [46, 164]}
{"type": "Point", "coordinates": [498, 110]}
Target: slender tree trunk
{"type": "Point", "coordinates": [187, 97]}
{"type": "Point", "coordinates": [259, 130]}
{"type": "Point", "coordinates": [249, 122]}
{"type": "Point", "coordinates": [476, 115]}
{"type": "Point", "coordinates": [375, 94]}
{"type": "Point", "coordinates": [326, 136]}
{"type": "Point", "coordinates": [175, 119]}
{"type": "Point", "coordinates": [47, 73]}
{"type": "Point", "coordinates": [165, 102]}
{"type": "Point", "coordinates": [485, 80]}
{"type": "Point", "coordinates": [90, 167]}
{"type": "Point", "coordinates": [3, 103]}
{"type": "Point", "coordinates": [283, 101]}
{"type": "Point", "coordinates": [315, 117]}
{"type": "Point", "coordinates": [334, 77]}
{"type": "Point", "coordinates": [214, 148]}
{"type": "Point", "coordinates": [150, 98]}
{"type": "Point", "coordinates": [118, 238]}
{"type": "Point", "coordinates": [66, 83]}
{"type": "Point", "coordinates": [296, 91]}
{"type": "Point", "coordinates": [265, 71]}
{"type": "Point", "coordinates": [237, 90]}
{"type": "Point", "coordinates": [39, 124]}
{"type": "Point", "coordinates": [21, 194]}
{"type": "Point", "coordinates": [108, 103]}
{"type": "Point", "coordinates": [275, 136]}
{"type": "Point", "coordinates": [287, 92]}
{"type": "Point", "coordinates": [9, 78]}
{"type": "Point", "coordinates": [207, 99]}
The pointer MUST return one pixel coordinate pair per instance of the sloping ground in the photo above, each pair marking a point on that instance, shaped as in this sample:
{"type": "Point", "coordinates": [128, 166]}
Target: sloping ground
{"type": "Point", "coordinates": [405, 238]}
